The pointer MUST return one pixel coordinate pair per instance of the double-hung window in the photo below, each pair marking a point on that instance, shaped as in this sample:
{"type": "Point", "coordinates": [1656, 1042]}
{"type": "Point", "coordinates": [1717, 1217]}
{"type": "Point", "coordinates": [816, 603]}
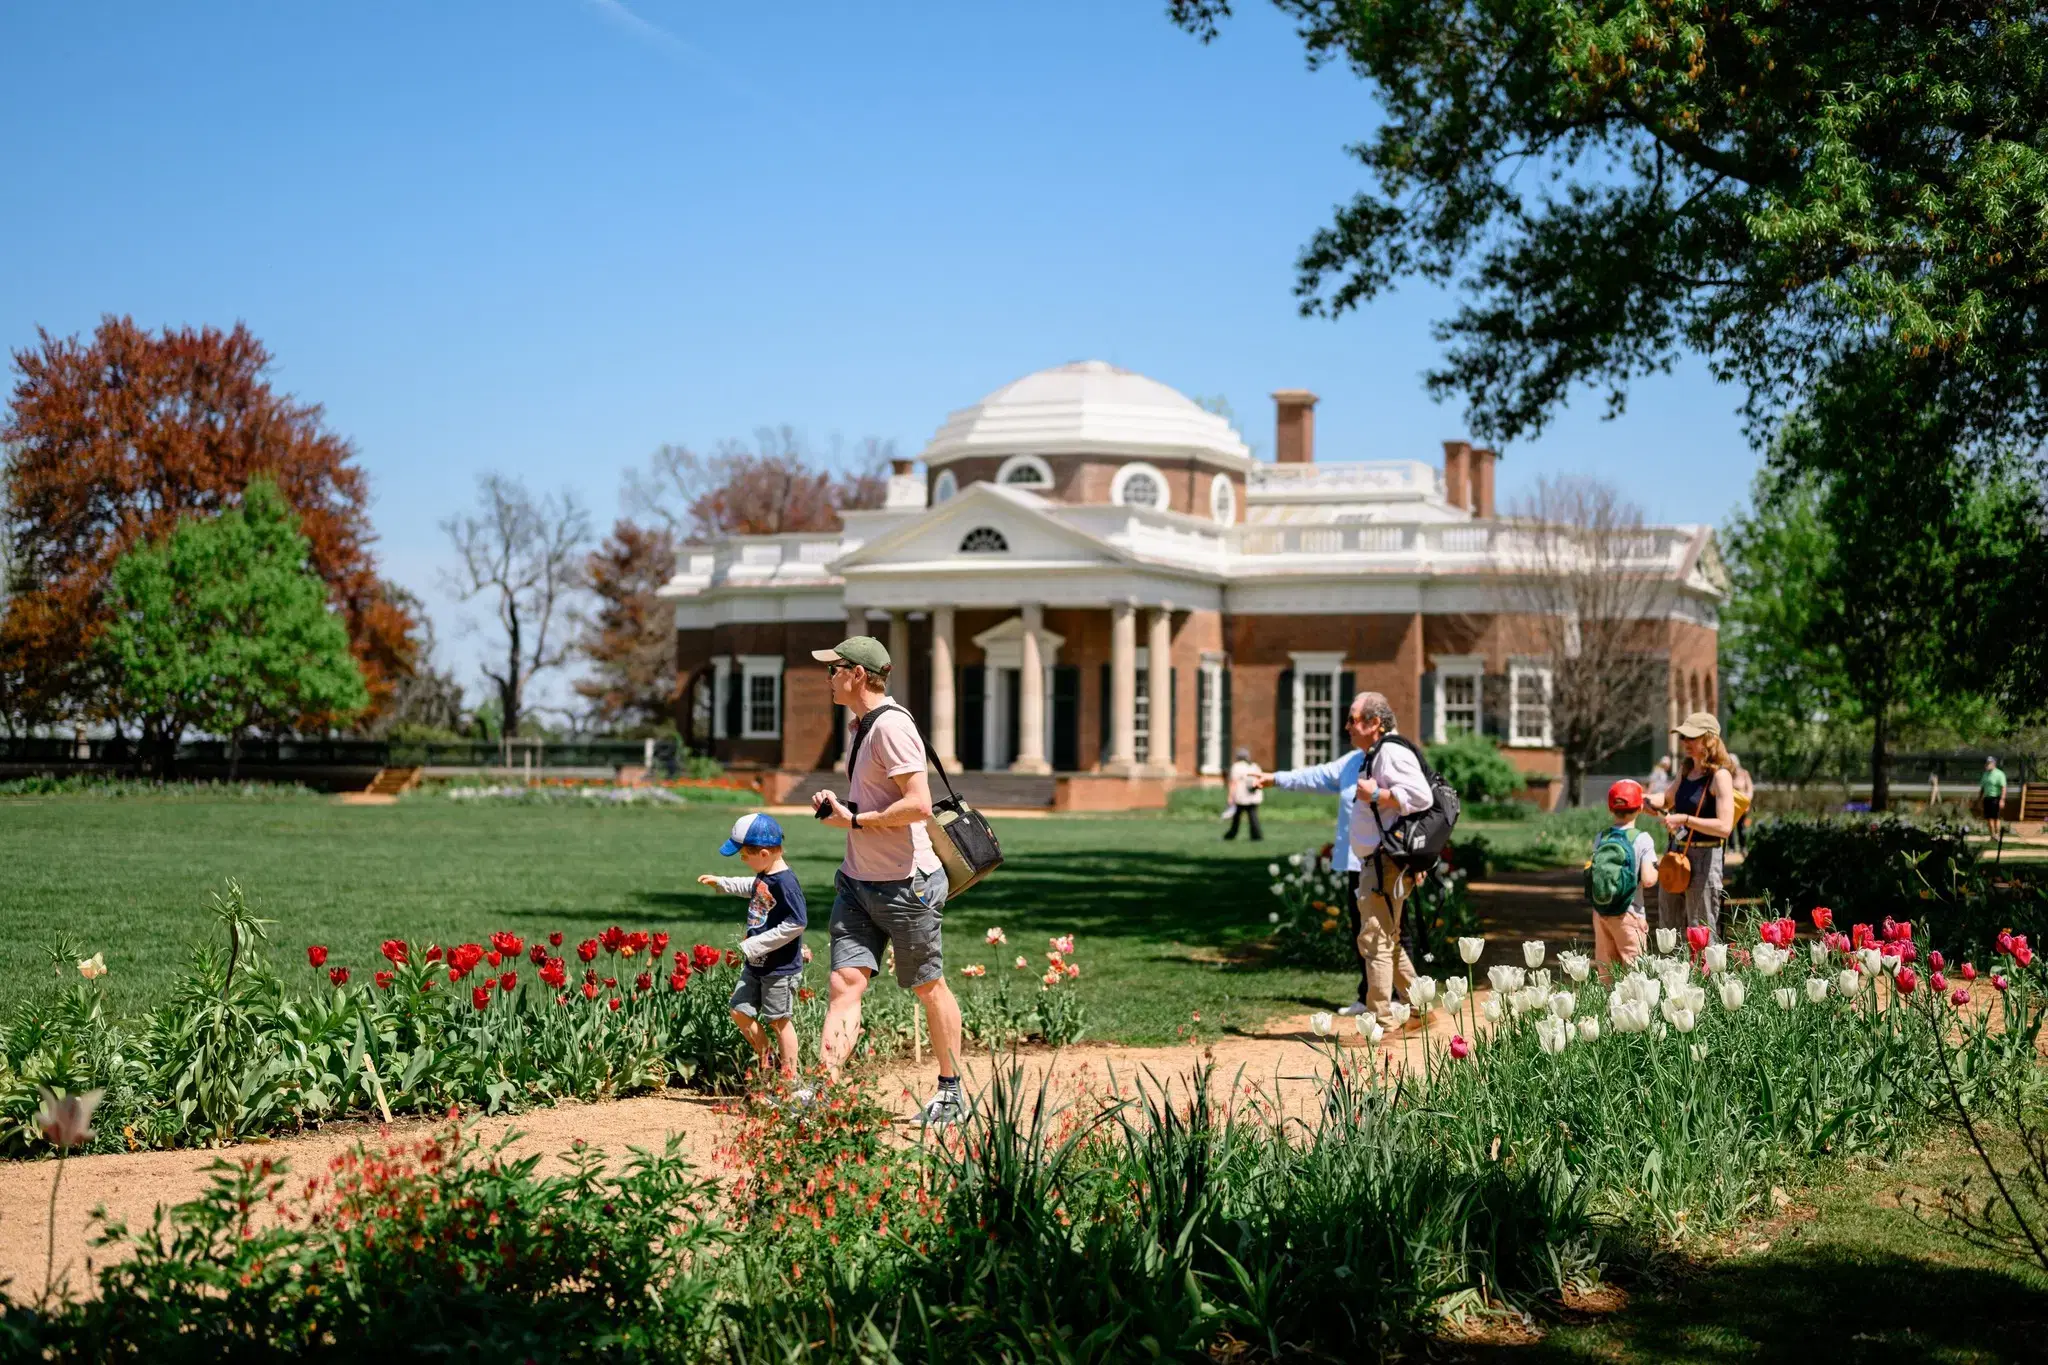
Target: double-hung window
{"type": "Point", "coordinates": [1318, 709]}
{"type": "Point", "coordinates": [1529, 704]}
{"type": "Point", "coordinates": [760, 696]}
{"type": "Point", "coordinates": [1210, 722]}
{"type": "Point", "coordinates": [1459, 693]}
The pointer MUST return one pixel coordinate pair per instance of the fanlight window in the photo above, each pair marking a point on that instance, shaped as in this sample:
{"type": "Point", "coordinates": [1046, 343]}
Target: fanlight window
{"type": "Point", "coordinates": [945, 486]}
{"type": "Point", "coordinates": [1142, 490]}
{"type": "Point", "coordinates": [984, 540]}
{"type": "Point", "coordinates": [1027, 472]}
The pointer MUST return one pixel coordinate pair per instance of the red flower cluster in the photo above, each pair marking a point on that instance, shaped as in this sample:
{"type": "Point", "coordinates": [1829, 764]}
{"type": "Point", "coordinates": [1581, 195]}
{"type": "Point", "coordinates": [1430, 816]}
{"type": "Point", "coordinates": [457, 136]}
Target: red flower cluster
{"type": "Point", "coordinates": [2016, 947]}
{"type": "Point", "coordinates": [394, 951]}
{"type": "Point", "coordinates": [462, 960]}
{"type": "Point", "coordinates": [384, 980]}
{"type": "Point", "coordinates": [704, 955]}
{"type": "Point", "coordinates": [508, 944]}
{"type": "Point", "coordinates": [554, 972]}
{"type": "Point", "coordinates": [338, 975]}
{"type": "Point", "coordinates": [1779, 933]}
{"type": "Point", "coordinates": [613, 939]}
{"type": "Point", "coordinates": [1897, 931]}
{"type": "Point", "coordinates": [587, 950]}
{"type": "Point", "coordinates": [316, 957]}
{"type": "Point", "coordinates": [1823, 918]}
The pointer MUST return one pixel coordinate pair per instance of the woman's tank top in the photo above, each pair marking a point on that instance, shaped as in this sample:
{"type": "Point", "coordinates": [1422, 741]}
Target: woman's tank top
{"type": "Point", "coordinates": [1695, 796]}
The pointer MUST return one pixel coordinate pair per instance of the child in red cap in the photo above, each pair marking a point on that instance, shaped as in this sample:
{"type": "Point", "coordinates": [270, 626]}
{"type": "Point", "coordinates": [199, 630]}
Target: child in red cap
{"type": "Point", "coordinates": [1624, 861]}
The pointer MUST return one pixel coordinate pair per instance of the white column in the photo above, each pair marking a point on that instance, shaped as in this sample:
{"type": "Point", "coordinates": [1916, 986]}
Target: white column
{"type": "Point", "coordinates": [899, 656]}
{"type": "Point", "coordinates": [1031, 695]}
{"type": "Point", "coordinates": [939, 725]}
{"type": "Point", "coordinates": [1159, 688]}
{"type": "Point", "coordinates": [856, 621]}
{"type": "Point", "coordinates": [1123, 688]}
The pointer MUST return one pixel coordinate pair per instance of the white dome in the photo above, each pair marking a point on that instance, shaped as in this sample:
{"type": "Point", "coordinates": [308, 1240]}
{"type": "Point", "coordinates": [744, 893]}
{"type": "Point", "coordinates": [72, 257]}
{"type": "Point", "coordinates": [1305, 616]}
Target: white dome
{"type": "Point", "coordinates": [1087, 408]}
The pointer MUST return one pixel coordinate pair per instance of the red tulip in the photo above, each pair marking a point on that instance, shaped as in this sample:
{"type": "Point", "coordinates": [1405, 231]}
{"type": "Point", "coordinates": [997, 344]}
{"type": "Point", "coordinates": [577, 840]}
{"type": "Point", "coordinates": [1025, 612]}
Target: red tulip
{"type": "Point", "coordinates": [1860, 936]}
{"type": "Point", "coordinates": [2005, 940]}
{"type": "Point", "coordinates": [613, 939]}
{"type": "Point", "coordinates": [555, 939]}
{"type": "Point", "coordinates": [611, 982]}
{"type": "Point", "coordinates": [1968, 971]}
{"type": "Point", "coordinates": [455, 973]}
{"type": "Point", "coordinates": [1698, 936]}
{"type": "Point", "coordinates": [494, 957]}
{"type": "Point", "coordinates": [644, 981]}
{"type": "Point", "coordinates": [660, 944]}
{"type": "Point", "coordinates": [1823, 918]}
{"type": "Point", "coordinates": [433, 952]}
{"type": "Point", "coordinates": [1959, 997]}
{"type": "Point", "coordinates": [539, 954]}
{"type": "Point", "coordinates": [2022, 953]}
{"type": "Point", "coordinates": [614, 1003]}
{"type": "Point", "coordinates": [509, 981]}
{"type": "Point", "coordinates": [590, 990]}
{"type": "Point", "coordinates": [679, 979]}
{"type": "Point", "coordinates": [1999, 982]}
{"type": "Point", "coordinates": [552, 973]}
{"type": "Point", "coordinates": [1907, 952]}
{"type": "Point", "coordinates": [1938, 981]}
{"type": "Point", "coordinates": [394, 951]}
{"type": "Point", "coordinates": [1907, 979]}
{"type": "Point", "coordinates": [1934, 960]}
{"type": "Point", "coordinates": [338, 975]}
{"type": "Point", "coordinates": [1905, 930]}
{"type": "Point", "coordinates": [1891, 929]}
{"type": "Point", "coordinates": [316, 956]}
{"type": "Point", "coordinates": [732, 957]}
{"type": "Point", "coordinates": [704, 955]}
{"type": "Point", "coordinates": [587, 950]}
{"type": "Point", "coordinates": [1459, 1047]}
{"type": "Point", "coordinates": [384, 980]}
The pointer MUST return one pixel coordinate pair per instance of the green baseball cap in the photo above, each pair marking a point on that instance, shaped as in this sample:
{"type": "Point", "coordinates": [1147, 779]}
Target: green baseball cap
{"type": "Point", "coordinates": [864, 650]}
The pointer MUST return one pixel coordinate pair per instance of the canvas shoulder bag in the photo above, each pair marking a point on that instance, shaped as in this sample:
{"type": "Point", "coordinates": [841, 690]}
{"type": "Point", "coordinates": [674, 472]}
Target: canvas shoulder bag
{"type": "Point", "coordinates": [1674, 869]}
{"type": "Point", "coordinates": [963, 841]}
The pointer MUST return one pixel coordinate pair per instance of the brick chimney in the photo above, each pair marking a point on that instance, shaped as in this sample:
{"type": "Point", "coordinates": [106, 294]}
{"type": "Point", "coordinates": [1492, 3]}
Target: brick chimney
{"type": "Point", "coordinates": [1458, 473]}
{"type": "Point", "coordinates": [900, 467]}
{"type": "Point", "coordinates": [1482, 483]}
{"type": "Point", "coordinates": [1294, 426]}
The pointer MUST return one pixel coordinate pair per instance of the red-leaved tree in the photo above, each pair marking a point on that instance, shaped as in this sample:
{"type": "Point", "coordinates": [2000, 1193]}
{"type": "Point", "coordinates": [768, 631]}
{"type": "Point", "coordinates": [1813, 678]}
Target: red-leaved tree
{"type": "Point", "coordinates": [631, 639]}
{"type": "Point", "coordinates": [113, 440]}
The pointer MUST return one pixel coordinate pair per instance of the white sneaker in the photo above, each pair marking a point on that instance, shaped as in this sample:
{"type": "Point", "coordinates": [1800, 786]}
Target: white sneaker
{"type": "Point", "coordinates": [1354, 1009]}
{"type": "Point", "coordinates": [943, 1110]}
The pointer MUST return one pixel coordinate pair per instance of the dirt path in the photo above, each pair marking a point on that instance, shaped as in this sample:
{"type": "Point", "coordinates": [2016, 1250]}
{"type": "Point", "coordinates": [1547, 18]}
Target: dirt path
{"type": "Point", "coordinates": [1278, 1062]}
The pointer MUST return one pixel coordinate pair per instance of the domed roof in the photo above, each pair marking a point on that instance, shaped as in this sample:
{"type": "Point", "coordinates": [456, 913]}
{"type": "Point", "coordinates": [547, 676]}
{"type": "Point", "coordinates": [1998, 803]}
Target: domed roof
{"type": "Point", "coordinates": [1087, 408]}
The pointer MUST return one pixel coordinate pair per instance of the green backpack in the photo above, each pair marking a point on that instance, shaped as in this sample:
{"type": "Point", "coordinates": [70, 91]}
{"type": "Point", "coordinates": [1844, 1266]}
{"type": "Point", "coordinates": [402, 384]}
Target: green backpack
{"type": "Point", "coordinates": [1612, 876]}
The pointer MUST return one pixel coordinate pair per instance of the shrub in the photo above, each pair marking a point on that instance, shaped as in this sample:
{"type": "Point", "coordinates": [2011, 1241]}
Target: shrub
{"type": "Point", "coordinates": [1312, 924]}
{"type": "Point", "coordinates": [1475, 768]}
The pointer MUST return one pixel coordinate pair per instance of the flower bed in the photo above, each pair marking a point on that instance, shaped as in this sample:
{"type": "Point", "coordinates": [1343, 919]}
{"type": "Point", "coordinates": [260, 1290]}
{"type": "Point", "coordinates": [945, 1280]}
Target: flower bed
{"type": "Point", "coordinates": [1311, 926]}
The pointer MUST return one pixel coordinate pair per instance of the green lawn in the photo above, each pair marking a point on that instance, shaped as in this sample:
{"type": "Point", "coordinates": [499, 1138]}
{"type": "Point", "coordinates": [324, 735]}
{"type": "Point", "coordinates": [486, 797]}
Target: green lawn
{"type": "Point", "coordinates": [1151, 901]}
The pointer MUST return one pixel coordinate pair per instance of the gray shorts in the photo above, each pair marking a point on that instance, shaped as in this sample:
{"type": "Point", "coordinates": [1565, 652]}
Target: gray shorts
{"type": "Point", "coordinates": [870, 916]}
{"type": "Point", "coordinates": [765, 997]}
{"type": "Point", "coordinates": [1700, 902]}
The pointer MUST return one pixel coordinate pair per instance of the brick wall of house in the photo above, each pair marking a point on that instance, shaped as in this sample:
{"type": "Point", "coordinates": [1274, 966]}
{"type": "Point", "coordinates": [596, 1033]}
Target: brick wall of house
{"type": "Point", "coordinates": [1087, 479]}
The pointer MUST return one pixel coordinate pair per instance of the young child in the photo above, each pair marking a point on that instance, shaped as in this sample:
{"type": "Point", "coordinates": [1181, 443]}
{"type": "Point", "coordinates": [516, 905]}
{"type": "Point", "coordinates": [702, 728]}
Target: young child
{"type": "Point", "coordinates": [774, 942]}
{"type": "Point", "coordinates": [1624, 862]}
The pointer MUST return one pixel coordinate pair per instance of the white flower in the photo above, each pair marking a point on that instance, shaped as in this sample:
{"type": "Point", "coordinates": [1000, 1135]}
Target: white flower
{"type": "Point", "coordinates": [1505, 978]}
{"type": "Point", "coordinates": [996, 937]}
{"type": "Point", "coordinates": [1532, 953]}
{"type": "Point", "coordinates": [1849, 982]}
{"type": "Point", "coordinates": [1872, 960]}
{"type": "Point", "coordinates": [1699, 1051]}
{"type": "Point", "coordinates": [1279, 890]}
{"type": "Point", "coordinates": [1564, 1004]}
{"type": "Point", "coordinates": [1658, 1031]}
{"type": "Point", "coordinates": [1667, 939]}
{"type": "Point", "coordinates": [1892, 963]}
{"type": "Point", "coordinates": [1577, 966]}
{"type": "Point", "coordinates": [1820, 952]}
{"type": "Point", "coordinates": [1816, 989]}
{"type": "Point", "coordinates": [67, 1121]}
{"type": "Point", "coordinates": [1397, 1013]}
{"type": "Point", "coordinates": [1469, 949]}
{"type": "Point", "coordinates": [1322, 1021]}
{"type": "Point", "coordinates": [1490, 1010]}
{"type": "Point", "coordinates": [1589, 1029]}
{"type": "Point", "coordinates": [1770, 960]}
{"type": "Point", "coordinates": [1733, 992]}
{"type": "Point", "coordinates": [1540, 979]}
{"type": "Point", "coordinates": [1454, 996]}
{"type": "Point", "coordinates": [1272, 869]}
{"type": "Point", "coordinates": [1370, 1030]}
{"type": "Point", "coordinates": [93, 967]}
{"type": "Point", "coordinates": [1717, 957]}
{"type": "Point", "coordinates": [1422, 992]}
{"type": "Point", "coordinates": [1628, 1016]}
{"type": "Point", "coordinates": [1689, 998]}
{"type": "Point", "coordinates": [1294, 860]}
{"type": "Point", "coordinates": [1527, 1000]}
{"type": "Point", "coordinates": [1552, 1035]}
{"type": "Point", "coordinates": [1272, 917]}
{"type": "Point", "coordinates": [1683, 1020]}
{"type": "Point", "coordinates": [1786, 997]}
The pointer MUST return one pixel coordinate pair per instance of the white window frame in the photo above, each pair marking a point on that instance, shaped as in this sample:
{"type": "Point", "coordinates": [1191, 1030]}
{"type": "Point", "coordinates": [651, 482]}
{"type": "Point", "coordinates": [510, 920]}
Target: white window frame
{"type": "Point", "coordinates": [754, 666]}
{"type": "Point", "coordinates": [1017, 462]}
{"type": "Point", "coordinates": [944, 486]}
{"type": "Point", "coordinates": [1126, 473]}
{"type": "Point", "coordinates": [1471, 666]}
{"type": "Point", "coordinates": [1518, 737]}
{"type": "Point", "coordinates": [721, 693]}
{"type": "Point", "coordinates": [1318, 662]}
{"type": "Point", "coordinates": [1222, 501]}
{"type": "Point", "coordinates": [1210, 723]}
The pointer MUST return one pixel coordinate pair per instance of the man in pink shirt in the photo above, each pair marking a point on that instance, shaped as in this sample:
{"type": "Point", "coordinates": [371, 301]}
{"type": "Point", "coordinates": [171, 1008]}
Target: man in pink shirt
{"type": "Point", "coordinates": [890, 892]}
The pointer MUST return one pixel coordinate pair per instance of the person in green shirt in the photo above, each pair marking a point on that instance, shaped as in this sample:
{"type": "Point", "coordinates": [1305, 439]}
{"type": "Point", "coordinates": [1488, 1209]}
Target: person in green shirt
{"type": "Point", "coordinates": [1991, 786]}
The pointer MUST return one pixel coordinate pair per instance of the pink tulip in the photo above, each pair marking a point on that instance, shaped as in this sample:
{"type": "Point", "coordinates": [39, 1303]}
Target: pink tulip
{"type": "Point", "coordinates": [1907, 952]}
{"type": "Point", "coordinates": [1907, 979]}
{"type": "Point", "coordinates": [1938, 981]}
{"type": "Point", "coordinates": [1697, 935]}
{"type": "Point", "coordinates": [1459, 1047]}
{"type": "Point", "coordinates": [1968, 971]}
{"type": "Point", "coordinates": [1999, 982]}
{"type": "Point", "coordinates": [1934, 960]}
{"type": "Point", "coordinates": [2005, 940]}
{"type": "Point", "coordinates": [1959, 997]}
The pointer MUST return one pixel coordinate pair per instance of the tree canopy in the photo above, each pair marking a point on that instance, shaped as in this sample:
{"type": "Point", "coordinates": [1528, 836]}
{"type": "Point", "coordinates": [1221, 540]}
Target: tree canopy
{"type": "Point", "coordinates": [1613, 183]}
{"type": "Point", "coordinates": [117, 439]}
{"type": "Point", "coordinates": [630, 639]}
{"type": "Point", "coordinates": [223, 626]}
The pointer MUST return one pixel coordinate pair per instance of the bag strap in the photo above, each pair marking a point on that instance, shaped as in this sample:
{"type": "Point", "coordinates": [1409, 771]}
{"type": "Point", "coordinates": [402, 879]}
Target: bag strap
{"type": "Point", "coordinates": [867, 722]}
{"type": "Point", "coordinates": [1698, 806]}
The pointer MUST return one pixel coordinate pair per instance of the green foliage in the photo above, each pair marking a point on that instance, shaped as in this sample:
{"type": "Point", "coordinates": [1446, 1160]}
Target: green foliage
{"type": "Point", "coordinates": [1311, 921]}
{"type": "Point", "coordinates": [1013, 998]}
{"type": "Point", "coordinates": [224, 626]}
{"type": "Point", "coordinates": [107, 788]}
{"type": "Point", "coordinates": [1476, 768]}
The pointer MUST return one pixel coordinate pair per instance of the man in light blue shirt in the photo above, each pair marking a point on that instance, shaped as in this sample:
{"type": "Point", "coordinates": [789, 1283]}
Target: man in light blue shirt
{"type": "Point", "coordinates": [1401, 788]}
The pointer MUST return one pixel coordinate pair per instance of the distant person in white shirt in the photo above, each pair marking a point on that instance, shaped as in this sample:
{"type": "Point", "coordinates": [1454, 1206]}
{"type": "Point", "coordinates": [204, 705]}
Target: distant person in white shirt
{"type": "Point", "coordinates": [1660, 780]}
{"type": "Point", "coordinates": [1389, 785]}
{"type": "Point", "coordinates": [1245, 795]}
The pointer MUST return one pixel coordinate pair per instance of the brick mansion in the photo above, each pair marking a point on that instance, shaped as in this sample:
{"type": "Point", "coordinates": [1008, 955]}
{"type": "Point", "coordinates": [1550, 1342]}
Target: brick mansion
{"type": "Point", "coordinates": [1093, 589]}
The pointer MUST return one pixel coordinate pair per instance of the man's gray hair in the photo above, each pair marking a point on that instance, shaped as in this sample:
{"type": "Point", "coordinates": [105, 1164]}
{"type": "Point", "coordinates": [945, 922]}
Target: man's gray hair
{"type": "Point", "coordinates": [1376, 707]}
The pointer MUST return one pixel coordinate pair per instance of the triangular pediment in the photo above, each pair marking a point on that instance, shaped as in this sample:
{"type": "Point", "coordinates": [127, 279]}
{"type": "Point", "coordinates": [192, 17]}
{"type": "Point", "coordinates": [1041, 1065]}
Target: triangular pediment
{"type": "Point", "coordinates": [1023, 523]}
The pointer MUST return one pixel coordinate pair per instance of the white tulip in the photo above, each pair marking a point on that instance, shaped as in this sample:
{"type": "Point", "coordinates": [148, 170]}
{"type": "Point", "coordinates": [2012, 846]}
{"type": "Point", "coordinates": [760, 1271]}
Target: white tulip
{"type": "Point", "coordinates": [67, 1120]}
{"type": "Point", "coordinates": [1667, 939]}
{"type": "Point", "coordinates": [1532, 953]}
{"type": "Point", "coordinates": [1717, 957]}
{"type": "Point", "coordinates": [1397, 1013]}
{"type": "Point", "coordinates": [1528, 1000]}
{"type": "Point", "coordinates": [1892, 963]}
{"type": "Point", "coordinates": [1279, 890]}
{"type": "Point", "coordinates": [1872, 960]}
{"type": "Point", "coordinates": [1564, 1004]}
{"type": "Point", "coordinates": [1658, 1031]}
{"type": "Point", "coordinates": [1540, 979]}
{"type": "Point", "coordinates": [1552, 1035]}
{"type": "Point", "coordinates": [1422, 992]}
{"type": "Point", "coordinates": [1272, 869]}
{"type": "Point", "coordinates": [1294, 860]}
{"type": "Point", "coordinates": [1683, 1020]}
{"type": "Point", "coordinates": [1699, 1052]}
{"type": "Point", "coordinates": [1272, 917]}
{"type": "Point", "coordinates": [1370, 1030]}
{"type": "Point", "coordinates": [1589, 1029]}
{"type": "Point", "coordinates": [1629, 1016]}
{"type": "Point", "coordinates": [1849, 981]}
{"type": "Point", "coordinates": [1820, 952]}
{"type": "Point", "coordinates": [1816, 989]}
{"type": "Point", "coordinates": [1490, 1010]}
{"type": "Point", "coordinates": [1469, 949]}
{"type": "Point", "coordinates": [1786, 997]}
{"type": "Point", "coordinates": [1505, 979]}
{"type": "Point", "coordinates": [1322, 1022]}
{"type": "Point", "coordinates": [1577, 966]}
{"type": "Point", "coordinates": [1733, 992]}
{"type": "Point", "coordinates": [1770, 960]}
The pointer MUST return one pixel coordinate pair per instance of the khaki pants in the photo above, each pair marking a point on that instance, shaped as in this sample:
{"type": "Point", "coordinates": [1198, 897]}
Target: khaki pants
{"type": "Point", "coordinates": [1382, 892]}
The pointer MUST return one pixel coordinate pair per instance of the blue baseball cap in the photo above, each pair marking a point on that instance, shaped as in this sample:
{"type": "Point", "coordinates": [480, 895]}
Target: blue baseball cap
{"type": "Point", "coordinates": [761, 831]}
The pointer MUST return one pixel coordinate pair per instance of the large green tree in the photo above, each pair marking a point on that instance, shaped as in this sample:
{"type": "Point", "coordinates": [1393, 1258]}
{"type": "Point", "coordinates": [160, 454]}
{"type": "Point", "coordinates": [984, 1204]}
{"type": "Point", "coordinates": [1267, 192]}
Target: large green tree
{"type": "Point", "coordinates": [1614, 183]}
{"type": "Point", "coordinates": [224, 626]}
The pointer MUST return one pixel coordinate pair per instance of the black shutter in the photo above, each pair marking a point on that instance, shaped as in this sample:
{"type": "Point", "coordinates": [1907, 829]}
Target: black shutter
{"type": "Point", "coordinates": [1201, 714]}
{"type": "Point", "coordinates": [735, 700]}
{"type": "Point", "coordinates": [1172, 713]}
{"type": "Point", "coordinates": [1102, 714]}
{"type": "Point", "coordinates": [1066, 718]}
{"type": "Point", "coordinates": [1010, 686]}
{"type": "Point", "coordinates": [1229, 746]}
{"type": "Point", "coordinates": [1493, 706]}
{"type": "Point", "coordinates": [973, 739]}
{"type": "Point", "coordinates": [1347, 688]}
{"type": "Point", "coordinates": [1283, 755]}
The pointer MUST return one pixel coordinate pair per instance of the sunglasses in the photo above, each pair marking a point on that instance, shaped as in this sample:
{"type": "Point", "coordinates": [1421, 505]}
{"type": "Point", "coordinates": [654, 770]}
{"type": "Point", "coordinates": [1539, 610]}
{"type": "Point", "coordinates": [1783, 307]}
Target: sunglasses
{"type": "Point", "coordinates": [832, 670]}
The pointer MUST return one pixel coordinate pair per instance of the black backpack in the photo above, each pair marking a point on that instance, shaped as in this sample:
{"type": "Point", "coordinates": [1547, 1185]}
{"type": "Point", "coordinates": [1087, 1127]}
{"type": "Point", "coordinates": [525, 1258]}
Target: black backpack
{"type": "Point", "coordinates": [1414, 843]}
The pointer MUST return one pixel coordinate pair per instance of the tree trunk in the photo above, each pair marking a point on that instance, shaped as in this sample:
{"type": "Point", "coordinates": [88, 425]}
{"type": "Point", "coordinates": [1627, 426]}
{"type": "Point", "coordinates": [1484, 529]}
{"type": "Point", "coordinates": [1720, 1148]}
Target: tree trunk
{"type": "Point", "coordinates": [234, 752]}
{"type": "Point", "coordinates": [1574, 779]}
{"type": "Point", "coordinates": [1880, 761]}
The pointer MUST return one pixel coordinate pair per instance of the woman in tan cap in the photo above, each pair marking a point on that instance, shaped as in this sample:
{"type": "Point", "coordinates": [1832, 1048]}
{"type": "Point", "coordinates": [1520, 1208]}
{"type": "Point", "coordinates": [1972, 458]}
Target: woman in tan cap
{"type": "Point", "coordinates": [1699, 814]}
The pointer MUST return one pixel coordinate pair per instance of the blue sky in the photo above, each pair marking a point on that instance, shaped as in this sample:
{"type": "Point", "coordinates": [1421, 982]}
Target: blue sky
{"type": "Point", "coordinates": [545, 236]}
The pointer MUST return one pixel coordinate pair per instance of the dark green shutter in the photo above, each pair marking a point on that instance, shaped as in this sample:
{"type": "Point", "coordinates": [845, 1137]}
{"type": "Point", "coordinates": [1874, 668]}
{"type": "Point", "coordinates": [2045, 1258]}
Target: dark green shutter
{"type": "Point", "coordinates": [1172, 713]}
{"type": "Point", "coordinates": [735, 700]}
{"type": "Point", "coordinates": [1283, 756]}
{"type": "Point", "coordinates": [1347, 688]}
{"type": "Point", "coordinates": [1102, 715]}
{"type": "Point", "coordinates": [1428, 731]}
{"type": "Point", "coordinates": [1229, 745]}
{"type": "Point", "coordinates": [1066, 718]}
{"type": "Point", "coordinates": [1201, 713]}
{"type": "Point", "coordinates": [973, 736]}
